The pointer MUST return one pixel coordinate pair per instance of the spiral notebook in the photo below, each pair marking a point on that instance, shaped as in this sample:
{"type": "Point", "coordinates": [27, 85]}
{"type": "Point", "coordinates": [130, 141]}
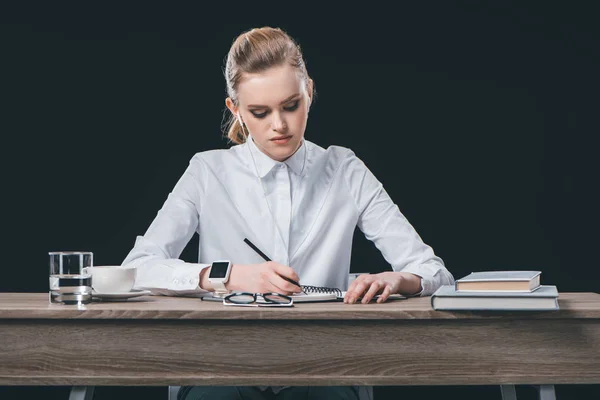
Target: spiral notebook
{"type": "Point", "coordinates": [318, 293]}
{"type": "Point", "coordinates": [322, 293]}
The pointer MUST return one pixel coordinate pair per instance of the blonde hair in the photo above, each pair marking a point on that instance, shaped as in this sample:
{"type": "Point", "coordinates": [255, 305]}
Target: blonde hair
{"type": "Point", "coordinates": [255, 51]}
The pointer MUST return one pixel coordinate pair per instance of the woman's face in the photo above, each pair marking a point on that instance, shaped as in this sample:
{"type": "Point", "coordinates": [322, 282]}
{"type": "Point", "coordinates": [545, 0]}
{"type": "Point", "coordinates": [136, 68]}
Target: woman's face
{"type": "Point", "coordinates": [273, 105]}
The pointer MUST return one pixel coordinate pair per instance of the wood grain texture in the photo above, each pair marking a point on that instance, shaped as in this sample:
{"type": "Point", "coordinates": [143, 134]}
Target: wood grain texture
{"type": "Point", "coordinates": [183, 341]}
{"type": "Point", "coordinates": [36, 305]}
{"type": "Point", "coordinates": [301, 352]}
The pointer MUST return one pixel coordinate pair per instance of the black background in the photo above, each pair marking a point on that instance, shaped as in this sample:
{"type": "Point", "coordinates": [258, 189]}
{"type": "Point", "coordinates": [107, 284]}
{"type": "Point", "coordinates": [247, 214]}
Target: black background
{"type": "Point", "coordinates": [480, 119]}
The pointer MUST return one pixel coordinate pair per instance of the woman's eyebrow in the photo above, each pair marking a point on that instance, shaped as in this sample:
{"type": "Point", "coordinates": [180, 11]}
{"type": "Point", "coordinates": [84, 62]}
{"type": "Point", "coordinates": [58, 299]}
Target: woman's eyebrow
{"type": "Point", "coordinates": [283, 102]}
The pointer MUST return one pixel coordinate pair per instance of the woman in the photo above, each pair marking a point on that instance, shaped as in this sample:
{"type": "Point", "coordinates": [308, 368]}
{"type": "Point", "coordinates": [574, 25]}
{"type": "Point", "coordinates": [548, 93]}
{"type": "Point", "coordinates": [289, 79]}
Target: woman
{"type": "Point", "coordinates": [296, 201]}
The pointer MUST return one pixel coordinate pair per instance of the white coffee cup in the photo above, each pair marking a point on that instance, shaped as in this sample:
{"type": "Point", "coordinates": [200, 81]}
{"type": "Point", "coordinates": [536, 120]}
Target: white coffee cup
{"type": "Point", "coordinates": [111, 278]}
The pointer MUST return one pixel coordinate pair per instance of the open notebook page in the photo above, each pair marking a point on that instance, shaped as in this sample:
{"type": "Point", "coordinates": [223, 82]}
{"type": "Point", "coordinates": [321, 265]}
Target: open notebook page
{"type": "Point", "coordinates": [302, 297]}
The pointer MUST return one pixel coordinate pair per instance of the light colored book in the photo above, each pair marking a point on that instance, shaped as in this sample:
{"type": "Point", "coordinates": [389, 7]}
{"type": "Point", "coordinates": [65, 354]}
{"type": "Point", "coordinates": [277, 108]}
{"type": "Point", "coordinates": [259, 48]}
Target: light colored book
{"type": "Point", "coordinates": [545, 298]}
{"type": "Point", "coordinates": [500, 281]}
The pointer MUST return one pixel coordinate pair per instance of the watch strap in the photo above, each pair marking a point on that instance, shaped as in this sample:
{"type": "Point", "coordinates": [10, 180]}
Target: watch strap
{"type": "Point", "coordinates": [219, 287]}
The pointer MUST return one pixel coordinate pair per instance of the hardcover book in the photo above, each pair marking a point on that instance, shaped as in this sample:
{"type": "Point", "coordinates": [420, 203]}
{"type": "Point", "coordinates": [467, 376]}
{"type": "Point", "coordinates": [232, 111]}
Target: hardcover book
{"type": "Point", "coordinates": [545, 298]}
{"type": "Point", "coordinates": [501, 281]}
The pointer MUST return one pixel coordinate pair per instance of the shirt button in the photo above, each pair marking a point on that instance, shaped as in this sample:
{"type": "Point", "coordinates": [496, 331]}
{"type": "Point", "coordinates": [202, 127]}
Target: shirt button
{"type": "Point", "coordinates": [192, 280]}
{"type": "Point", "coordinates": [175, 281]}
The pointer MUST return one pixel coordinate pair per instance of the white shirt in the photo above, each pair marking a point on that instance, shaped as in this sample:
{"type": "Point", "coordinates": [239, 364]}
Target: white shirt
{"type": "Point", "coordinates": [301, 213]}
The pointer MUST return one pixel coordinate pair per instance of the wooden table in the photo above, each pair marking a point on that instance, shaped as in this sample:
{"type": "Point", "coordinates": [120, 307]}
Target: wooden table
{"type": "Point", "coordinates": [184, 341]}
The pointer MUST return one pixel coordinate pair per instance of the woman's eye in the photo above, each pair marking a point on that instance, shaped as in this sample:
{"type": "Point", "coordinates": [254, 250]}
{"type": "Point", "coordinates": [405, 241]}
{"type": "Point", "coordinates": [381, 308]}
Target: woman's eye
{"type": "Point", "coordinates": [263, 114]}
{"type": "Point", "coordinates": [293, 106]}
{"type": "Point", "coordinates": [259, 115]}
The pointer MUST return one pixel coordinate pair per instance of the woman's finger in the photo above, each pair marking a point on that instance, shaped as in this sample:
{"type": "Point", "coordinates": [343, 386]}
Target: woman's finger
{"type": "Point", "coordinates": [373, 290]}
{"type": "Point", "coordinates": [359, 288]}
{"type": "Point", "coordinates": [285, 271]}
{"type": "Point", "coordinates": [385, 294]}
{"type": "Point", "coordinates": [282, 286]}
{"type": "Point", "coordinates": [349, 291]}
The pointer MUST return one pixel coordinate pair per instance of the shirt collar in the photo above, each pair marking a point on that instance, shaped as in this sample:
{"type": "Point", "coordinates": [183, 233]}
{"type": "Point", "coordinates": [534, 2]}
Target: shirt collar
{"type": "Point", "coordinates": [264, 163]}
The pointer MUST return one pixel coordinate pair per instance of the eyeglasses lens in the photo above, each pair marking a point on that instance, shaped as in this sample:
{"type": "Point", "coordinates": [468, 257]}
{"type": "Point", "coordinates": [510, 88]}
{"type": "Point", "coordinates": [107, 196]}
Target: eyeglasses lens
{"type": "Point", "coordinates": [241, 298]}
{"type": "Point", "coordinates": [276, 298]}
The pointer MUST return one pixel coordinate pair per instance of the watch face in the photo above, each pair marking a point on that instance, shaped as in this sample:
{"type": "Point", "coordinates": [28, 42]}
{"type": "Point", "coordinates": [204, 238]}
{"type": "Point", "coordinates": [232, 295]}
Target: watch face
{"type": "Point", "coordinates": [218, 270]}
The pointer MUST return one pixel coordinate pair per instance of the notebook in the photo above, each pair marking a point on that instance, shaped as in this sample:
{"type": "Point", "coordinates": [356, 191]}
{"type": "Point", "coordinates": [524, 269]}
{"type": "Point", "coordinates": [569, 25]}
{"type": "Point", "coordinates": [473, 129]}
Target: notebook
{"type": "Point", "coordinates": [448, 298]}
{"type": "Point", "coordinates": [323, 293]}
{"type": "Point", "coordinates": [318, 293]}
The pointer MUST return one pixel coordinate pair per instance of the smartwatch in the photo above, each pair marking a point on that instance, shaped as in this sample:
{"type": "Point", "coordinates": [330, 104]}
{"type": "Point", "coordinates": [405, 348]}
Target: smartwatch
{"type": "Point", "coordinates": [219, 275]}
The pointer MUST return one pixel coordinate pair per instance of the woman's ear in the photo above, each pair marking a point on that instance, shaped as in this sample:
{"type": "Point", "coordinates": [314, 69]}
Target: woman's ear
{"type": "Point", "coordinates": [232, 107]}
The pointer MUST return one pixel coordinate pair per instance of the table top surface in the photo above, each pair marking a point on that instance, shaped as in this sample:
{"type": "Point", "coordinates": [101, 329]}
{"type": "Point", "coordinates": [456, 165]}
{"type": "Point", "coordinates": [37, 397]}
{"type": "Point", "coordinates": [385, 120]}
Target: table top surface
{"type": "Point", "coordinates": [37, 306]}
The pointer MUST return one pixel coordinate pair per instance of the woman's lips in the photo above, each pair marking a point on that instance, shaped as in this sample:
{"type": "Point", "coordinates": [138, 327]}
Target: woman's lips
{"type": "Point", "coordinates": [282, 140]}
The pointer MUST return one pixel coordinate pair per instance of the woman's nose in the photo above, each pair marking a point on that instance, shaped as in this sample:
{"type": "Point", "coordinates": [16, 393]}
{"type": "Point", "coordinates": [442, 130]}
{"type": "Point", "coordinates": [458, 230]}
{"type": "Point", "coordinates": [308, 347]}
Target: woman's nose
{"type": "Point", "coordinates": [278, 123]}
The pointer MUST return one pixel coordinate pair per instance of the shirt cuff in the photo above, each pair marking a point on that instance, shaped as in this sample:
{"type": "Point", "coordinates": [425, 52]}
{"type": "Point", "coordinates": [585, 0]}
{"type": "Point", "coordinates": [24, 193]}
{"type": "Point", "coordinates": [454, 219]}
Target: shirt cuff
{"type": "Point", "coordinates": [420, 292]}
{"type": "Point", "coordinates": [171, 278]}
{"type": "Point", "coordinates": [427, 273]}
{"type": "Point", "coordinates": [187, 277]}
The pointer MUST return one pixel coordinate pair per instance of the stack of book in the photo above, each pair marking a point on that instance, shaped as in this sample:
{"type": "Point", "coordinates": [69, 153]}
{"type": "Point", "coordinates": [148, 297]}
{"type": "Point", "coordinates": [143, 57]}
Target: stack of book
{"type": "Point", "coordinates": [497, 290]}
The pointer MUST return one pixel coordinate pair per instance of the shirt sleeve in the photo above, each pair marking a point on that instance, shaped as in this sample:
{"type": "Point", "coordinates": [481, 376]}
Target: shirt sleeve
{"type": "Point", "coordinates": [155, 254]}
{"type": "Point", "coordinates": [382, 223]}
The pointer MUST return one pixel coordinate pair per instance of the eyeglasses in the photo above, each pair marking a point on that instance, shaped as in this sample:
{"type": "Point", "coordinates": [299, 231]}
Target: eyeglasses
{"type": "Point", "coordinates": [248, 298]}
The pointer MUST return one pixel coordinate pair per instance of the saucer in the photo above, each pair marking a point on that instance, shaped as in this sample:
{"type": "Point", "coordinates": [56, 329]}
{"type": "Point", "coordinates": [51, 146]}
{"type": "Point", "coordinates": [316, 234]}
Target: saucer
{"type": "Point", "coordinates": [120, 295]}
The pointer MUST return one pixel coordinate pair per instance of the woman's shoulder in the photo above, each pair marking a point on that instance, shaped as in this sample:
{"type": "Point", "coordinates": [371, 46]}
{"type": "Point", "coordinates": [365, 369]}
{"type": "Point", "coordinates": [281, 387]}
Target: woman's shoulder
{"type": "Point", "coordinates": [216, 155]}
{"type": "Point", "coordinates": [333, 154]}
{"type": "Point", "coordinates": [219, 161]}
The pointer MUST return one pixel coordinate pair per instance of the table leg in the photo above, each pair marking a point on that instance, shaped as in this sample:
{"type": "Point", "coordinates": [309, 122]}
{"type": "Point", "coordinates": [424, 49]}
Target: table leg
{"type": "Point", "coordinates": [81, 393]}
{"type": "Point", "coordinates": [508, 392]}
{"type": "Point", "coordinates": [547, 392]}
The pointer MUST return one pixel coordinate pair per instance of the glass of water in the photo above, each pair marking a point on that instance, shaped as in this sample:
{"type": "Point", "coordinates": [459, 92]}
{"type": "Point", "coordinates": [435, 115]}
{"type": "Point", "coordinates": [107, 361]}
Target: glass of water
{"type": "Point", "coordinates": [69, 284]}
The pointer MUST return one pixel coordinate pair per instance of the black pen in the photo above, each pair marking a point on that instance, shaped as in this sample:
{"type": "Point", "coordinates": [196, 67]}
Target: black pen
{"type": "Point", "coordinates": [256, 249]}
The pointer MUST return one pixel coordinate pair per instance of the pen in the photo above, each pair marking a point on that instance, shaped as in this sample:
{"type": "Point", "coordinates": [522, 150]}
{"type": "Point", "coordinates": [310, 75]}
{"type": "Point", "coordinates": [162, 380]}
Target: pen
{"type": "Point", "coordinates": [256, 249]}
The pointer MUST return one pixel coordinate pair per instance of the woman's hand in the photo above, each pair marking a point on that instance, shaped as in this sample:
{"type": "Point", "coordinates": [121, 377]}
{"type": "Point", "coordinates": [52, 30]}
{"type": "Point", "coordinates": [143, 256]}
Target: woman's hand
{"type": "Point", "coordinates": [384, 284]}
{"type": "Point", "coordinates": [259, 278]}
